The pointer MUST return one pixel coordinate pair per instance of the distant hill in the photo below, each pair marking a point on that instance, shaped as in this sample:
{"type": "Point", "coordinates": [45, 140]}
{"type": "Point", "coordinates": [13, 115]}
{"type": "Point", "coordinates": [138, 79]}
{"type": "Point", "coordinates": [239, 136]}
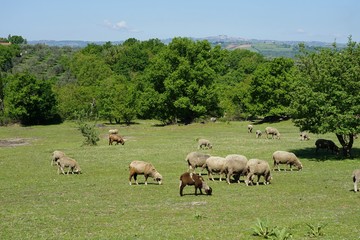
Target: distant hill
{"type": "Point", "coordinates": [268, 48]}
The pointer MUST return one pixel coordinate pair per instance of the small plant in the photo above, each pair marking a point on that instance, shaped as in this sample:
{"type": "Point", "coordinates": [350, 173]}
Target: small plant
{"type": "Point", "coordinates": [198, 216]}
{"type": "Point", "coordinates": [316, 230]}
{"type": "Point", "coordinates": [88, 131]}
{"type": "Point", "coordinates": [262, 229]}
{"type": "Point", "coordinates": [281, 234]}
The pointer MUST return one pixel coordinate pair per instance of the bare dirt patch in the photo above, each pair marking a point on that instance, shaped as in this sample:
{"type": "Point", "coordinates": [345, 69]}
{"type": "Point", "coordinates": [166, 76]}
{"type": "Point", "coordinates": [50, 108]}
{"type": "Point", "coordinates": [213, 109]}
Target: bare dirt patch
{"type": "Point", "coordinates": [14, 142]}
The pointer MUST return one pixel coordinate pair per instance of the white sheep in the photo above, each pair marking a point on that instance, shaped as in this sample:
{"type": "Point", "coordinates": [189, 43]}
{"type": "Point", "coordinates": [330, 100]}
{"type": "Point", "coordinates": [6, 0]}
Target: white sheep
{"type": "Point", "coordinates": [258, 133]}
{"type": "Point", "coordinates": [204, 143]}
{"type": "Point", "coordinates": [273, 132]}
{"type": "Point", "coordinates": [55, 156]}
{"type": "Point", "coordinates": [257, 167]}
{"type": "Point", "coordinates": [113, 131]}
{"type": "Point", "coordinates": [235, 164]}
{"type": "Point", "coordinates": [356, 179]}
{"type": "Point", "coordinates": [196, 159]}
{"type": "Point", "coordinates": [250, 128]}
{"type": "Point", "coordinates": [214, 165]}
{"type": "Point", "coordinates": [66, 162]}
{"type": "Point", "coordinates": [289, 158]}
{"type": "Point", "coordinates": [304, 136]}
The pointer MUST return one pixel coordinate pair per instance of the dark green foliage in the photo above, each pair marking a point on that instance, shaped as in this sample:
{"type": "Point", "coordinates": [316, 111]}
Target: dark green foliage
{"type": "Point", "coordinates": [87, 130]}
{"type": "Point", "coordinates": [30, 100]}
{"type": "Point", "coordinates": [326, 97]}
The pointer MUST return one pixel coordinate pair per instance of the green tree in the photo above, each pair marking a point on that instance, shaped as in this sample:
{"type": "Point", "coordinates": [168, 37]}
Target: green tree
{"type": "Point", "coordinates": [184, 81]}
{"type": "Point", "coordinates": [326, 97]}
{"type": "Point", "coordinates": [17, 39]}
{"type": "Point", "coordinates": [30, 101]}
{"type": "Point", "coordinates": [270, 88]}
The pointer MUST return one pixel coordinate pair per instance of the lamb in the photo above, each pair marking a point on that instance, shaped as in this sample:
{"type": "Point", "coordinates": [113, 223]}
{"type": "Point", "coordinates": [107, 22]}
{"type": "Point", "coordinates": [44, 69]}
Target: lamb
{"type": "Point", "coordinates": [116, 138]}
{"type": "Point", "coordinates": [214, 165]}
{"type": "Point", "coordinates": [258, 133]}
{"type": "Point", "coordinates": [250, 128]}
{"type": "Point", "coordinates": [289, 158]}
{"type": "Point", "coordinates": [66, 162]}
{"type": "Point", "coordinates": [196, 159]}
{"type": "Point", "coordinates": [196, 180]}
{"type": "Point", "coordinates": [304, 136]}
{"type": "Point", "coordinates": [356, 179]}
{"type": "Point", "coordinates": [326, 144]}
{"type": "Point", "coordinates": [273, 132]}
{"type": "Point", "coordinates": [113, 131]}
{"type": "Point", "coordinates": [143, 168]}
{"type": "Point", "coordinates": [204, 143]}
{"type": "Point", "coordinates": [55, 156]}
{"type": "Point", "coordinates": [259, 168]}
{"type": "Point", "coordinates": [235, 165]}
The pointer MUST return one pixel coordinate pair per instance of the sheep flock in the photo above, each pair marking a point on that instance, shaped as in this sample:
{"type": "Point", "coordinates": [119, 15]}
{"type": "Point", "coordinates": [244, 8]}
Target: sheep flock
{"type": "Point", "coordinates": [232, 167]}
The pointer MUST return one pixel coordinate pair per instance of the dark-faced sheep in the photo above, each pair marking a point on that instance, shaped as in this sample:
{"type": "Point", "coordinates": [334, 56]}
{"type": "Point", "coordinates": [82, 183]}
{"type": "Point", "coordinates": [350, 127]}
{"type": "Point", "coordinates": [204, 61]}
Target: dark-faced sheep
{"type": "Point", "coordinates": [256, 167]}
{"type": "Point", "coordinates": [214, 165]}
{"type": "Point", "coordinates": [288, 158]}
{"type": "Point", "coordinates": [196, 159]}
{"type": "Point", "coordinates": [304, 136]}
{"type": "Point", "coordinates": [326, 144]}
{"type": "Point", "coordinates": [235, 165]}
{"type": "Point", "coordinates": [356, 179]}
{"type": "Point", "coordinates": [55, 156]}
{"type": "Point", "coordinates": [143, 168]}
{"type": "Point", "coordinates": [196, 180]}
{"type": "Point", "coordinates": [66, 162]}
{"type": "Point", "coordinates": [250, 128]}
{"type": "Point", "coordinates": [273, 132]}
{"type": "Point", "coordinates": [116, 138]}
{"type": "Point", "coordinates": [204, 143]}
{"type": "Point", "coordinates": [258, 133]}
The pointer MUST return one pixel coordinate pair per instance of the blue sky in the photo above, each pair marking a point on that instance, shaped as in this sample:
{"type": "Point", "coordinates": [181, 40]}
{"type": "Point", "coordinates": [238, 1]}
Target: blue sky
{"type": "Point", "coordinates": [115, 20]}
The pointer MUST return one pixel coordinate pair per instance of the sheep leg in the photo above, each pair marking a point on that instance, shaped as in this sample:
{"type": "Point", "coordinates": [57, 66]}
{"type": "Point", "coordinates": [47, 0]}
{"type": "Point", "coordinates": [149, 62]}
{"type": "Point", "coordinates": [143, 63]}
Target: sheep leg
{"type": "Point", "coordinates": [181, 187]}
{"type": "Point", "coordinates": [135, 178]}
{"type": "Point", "coordinates": [146, 177]}
{"type": "Point", "coordinates": [355, 186]}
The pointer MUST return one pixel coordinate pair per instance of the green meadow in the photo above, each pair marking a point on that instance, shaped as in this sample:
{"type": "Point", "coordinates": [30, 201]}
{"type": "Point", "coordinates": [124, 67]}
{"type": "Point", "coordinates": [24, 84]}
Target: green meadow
{"type": "Point", "coordinates": [37, 203]}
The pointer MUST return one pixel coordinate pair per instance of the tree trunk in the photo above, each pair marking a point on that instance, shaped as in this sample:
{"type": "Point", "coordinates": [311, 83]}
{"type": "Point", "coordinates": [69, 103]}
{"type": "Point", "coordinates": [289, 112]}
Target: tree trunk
{"type": "Point", "coordinates": [346, 142]}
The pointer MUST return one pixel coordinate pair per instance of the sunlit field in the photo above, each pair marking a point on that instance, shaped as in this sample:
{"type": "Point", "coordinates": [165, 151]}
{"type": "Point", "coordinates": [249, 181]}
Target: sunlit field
{"type": "Point", "coordinates": [37, 203]}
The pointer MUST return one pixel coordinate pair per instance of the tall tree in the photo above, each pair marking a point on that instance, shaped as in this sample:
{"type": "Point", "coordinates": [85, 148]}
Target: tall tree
{"type": "Point", "coordinates": [30, 101]}
{"type": "Point", "coordinates": [326, 97]}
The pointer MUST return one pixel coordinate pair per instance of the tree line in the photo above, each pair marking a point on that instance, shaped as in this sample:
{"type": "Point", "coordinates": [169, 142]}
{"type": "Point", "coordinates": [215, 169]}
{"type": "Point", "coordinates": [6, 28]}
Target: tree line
{"type": "Point", "coordinates": [183, 81]}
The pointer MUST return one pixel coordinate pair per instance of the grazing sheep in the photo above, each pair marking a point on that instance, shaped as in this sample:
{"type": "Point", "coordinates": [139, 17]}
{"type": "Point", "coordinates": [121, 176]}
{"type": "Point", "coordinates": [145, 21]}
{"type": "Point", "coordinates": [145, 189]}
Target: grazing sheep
{"type": "Point", "coordinates": [116, 138]}
{"type": "Point", "coordinates": [356, 179]}
{"type": "Point", "coordinates": [273, 132]}
{"type": "Point", "coordinates": [203, 143]}
{"type": "Point", "coordinates": [235, 165]}
{"type": "Point", "coordinates": [214, 165]}
{"type": "Point", "coordinates": [258, 133]}
{"type": "Point", "coordinates": [304, 136]}
{"type": "Point", "coordinates": [256, 167]}
{"type": "Point", "coordinates": [213, 119]}
{"type": "Point", "coordinates": [250, 128]}
{"type": "Point", "coordinates": [196, 159]}
{"type": "Point", "coordinates": [55, 156]}
{"type": "Point", "coordinates": [113, 131]}
{"type": "Point", "coordinates": [289, 158]}
{"type": "Point", "coordinates": [143, 168]}
{"type": "Point", "coordinates": [196, 180]}
{"type": "Point", "coordinates": [66, 162]}
{"type": "Point", "coordinates": [326, 144]}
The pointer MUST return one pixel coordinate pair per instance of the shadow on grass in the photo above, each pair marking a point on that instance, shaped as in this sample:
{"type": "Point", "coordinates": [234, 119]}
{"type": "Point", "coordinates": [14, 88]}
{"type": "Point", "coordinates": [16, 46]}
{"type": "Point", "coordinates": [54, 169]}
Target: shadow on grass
{"type": "Point", "coordinates": [323, 155]}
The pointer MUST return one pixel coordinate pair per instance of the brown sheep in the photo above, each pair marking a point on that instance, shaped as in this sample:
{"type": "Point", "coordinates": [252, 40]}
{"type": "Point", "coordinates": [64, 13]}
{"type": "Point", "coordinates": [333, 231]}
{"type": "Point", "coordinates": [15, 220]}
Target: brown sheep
{"type": "Point", "coordinates": [66, 162]}
{"type": "Point", "coordinates": [143, 168]}
{"type": "Point", "coordinates": [116, 138]}
{"type": "Point", "coordinates": [196, 180]}
{"type": "Point", "coordinates": [326, 144]}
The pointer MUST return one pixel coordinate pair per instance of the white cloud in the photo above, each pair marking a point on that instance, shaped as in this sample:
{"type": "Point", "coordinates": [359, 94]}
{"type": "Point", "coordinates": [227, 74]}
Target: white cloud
{"type": "Point", "coordinates": [300, 30]}
{"type": "Point", "coordinates": [116, 26]}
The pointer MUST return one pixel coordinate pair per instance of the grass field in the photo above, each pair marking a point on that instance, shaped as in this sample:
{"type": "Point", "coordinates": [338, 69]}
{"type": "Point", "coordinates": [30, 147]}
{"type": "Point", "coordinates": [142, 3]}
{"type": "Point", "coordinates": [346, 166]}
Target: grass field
{"type": "Point", "coordinates": [37, 203]}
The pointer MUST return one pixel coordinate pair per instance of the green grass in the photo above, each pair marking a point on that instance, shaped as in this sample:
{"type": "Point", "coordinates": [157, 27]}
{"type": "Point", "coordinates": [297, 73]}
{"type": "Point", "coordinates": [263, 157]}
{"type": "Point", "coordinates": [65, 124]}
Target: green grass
{"type": "Point", "coordinates": [37, 203]}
